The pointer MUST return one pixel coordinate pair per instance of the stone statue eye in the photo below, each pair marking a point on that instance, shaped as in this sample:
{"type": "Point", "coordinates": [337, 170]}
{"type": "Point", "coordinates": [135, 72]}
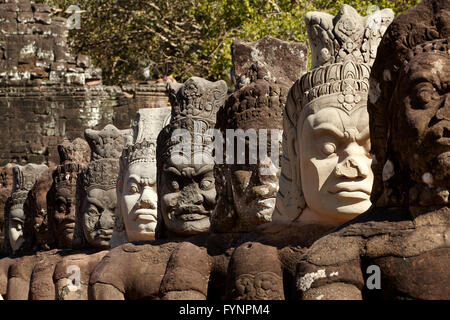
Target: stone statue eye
{"type": "Point", "coordinates": [175, 186]}
{"type": "Point", "coordinates": [328, 148]}
{"type": "Point", "coordinates": [425, 93]}
{"type": "Point", "coordinates": [206, 184]}
{"type": "Point", "coordinates": [134, 189]}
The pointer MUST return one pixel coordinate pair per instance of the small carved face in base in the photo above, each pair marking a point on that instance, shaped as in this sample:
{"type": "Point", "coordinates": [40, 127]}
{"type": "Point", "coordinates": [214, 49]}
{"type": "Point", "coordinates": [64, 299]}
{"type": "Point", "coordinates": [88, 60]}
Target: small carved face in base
{"type": "Point", "coordinates": [98, 220]}
{"type": "Point", "coordinates": [422, 132]}
{"type": "Point", "coordinates": [187, 197]}
{"type": "Point", "coordinates": [64, 216]}
{"type": "Point", "coordinates": [139, 201]}
{"type": "Point", "coordinates": [335, 163]}
{"type": "Point", "coordinates": [16, 221]}
{"type": "Point", "coordinates": [254, 192]}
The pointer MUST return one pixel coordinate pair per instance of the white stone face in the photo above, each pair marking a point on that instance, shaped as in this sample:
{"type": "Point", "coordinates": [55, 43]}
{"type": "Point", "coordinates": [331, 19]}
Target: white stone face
{"type": "Point", "coordinates": [335, 165]}
{"type": "Point", "coordinates": [139, 201]}
{"type": "Point", "coordinates": [16, 221]}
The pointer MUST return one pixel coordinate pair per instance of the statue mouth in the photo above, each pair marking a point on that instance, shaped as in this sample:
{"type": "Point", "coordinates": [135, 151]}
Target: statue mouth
{"type": "Point", "coordinates": [351, 190]}
{"type": "Point", "coordinates": [191, 213]}
{"type": "Point", "coordinates": [266, 203]}
{"type": "Point", "coordinates": [147, 215]}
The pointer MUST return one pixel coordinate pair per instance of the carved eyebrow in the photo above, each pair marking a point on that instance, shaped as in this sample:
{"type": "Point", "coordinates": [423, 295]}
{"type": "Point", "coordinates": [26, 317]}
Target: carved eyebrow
{"type": "Point", "coordinates": [204, 169]}
{"type": "Point", "coordinates": [328, 128]}
{"type": "Point", "coordinates": [172, 170]}
{"type": "Point", "coordinates": [135, 178]}
{"type": "Point", "coordinates": [95, 201]}
{"type": "Point", "coordinates": [418, 77]}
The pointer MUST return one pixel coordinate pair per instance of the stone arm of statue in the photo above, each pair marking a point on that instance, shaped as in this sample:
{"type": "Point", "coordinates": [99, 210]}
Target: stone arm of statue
{"type": "Point", "coordinates": [131, 271]}
{"type": "Point", "coordinates": [41, 282]}
{"type": "Point", "coordinates": [331, 270]}
{"type": "Point", "coordinates": [5, 263]}
{"type": "Point", "coordinates": [19, 278]}
{"type": "Point", "coordinates": [72, 275]}
{"type": "Point", "coordinates": [187, 274]}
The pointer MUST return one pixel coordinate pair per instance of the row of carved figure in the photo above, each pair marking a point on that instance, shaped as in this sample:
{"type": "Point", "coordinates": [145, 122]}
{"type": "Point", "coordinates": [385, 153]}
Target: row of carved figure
{"type": "Point", "coordinates": [364, 179]}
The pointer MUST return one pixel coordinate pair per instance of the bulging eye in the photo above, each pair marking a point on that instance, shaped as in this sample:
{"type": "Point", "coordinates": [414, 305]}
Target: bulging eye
{"type": "Point", "coordinates": [328, 148]}
{"type": "Point", "coordinates": [206, 184]}
{"type": "Point", "coordinates": [175, 185]}
{"type": "Point", "coordinates": [425, 93]}
{"type": "Point", "coordinates": [134, 189]}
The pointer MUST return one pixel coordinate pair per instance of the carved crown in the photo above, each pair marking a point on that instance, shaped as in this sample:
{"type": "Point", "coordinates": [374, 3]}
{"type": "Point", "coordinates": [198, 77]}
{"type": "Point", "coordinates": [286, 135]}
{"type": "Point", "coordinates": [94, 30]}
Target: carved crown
{"type": "Point", "coordinates": [196, 99]}
{"type": "Point", "coordinates": [343, 49]}
{"type": "Point", "coordinates": [101, 174]}
{"type": "Point", "coordinates": [194, 107]}
{"type": "Point", "coordinates": [75, 151]}
{"type": "Point", "coordinates": [107, 143]}
{"type": "Point", "coordinates": [347, 36]}
{"type": "Point", "coordinates": [146, 126]}
{"type": "Point", "coordinates": [24, 177]}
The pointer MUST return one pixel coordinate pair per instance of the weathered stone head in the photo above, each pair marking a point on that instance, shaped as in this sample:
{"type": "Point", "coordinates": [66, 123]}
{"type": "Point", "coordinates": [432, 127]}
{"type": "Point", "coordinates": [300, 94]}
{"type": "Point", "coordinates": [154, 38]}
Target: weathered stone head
{"type": "Point", "coordinates": [24, 178]}
{"type": "Point", "coordinates": [409, 109]}
{"type": "Point", "coordinates": [64, 195]}
{"type": "Point", "coordinates": [186, 191]}
{"type": "Point", "coordinates": [247, 181]}
{"type": "Point", "coordinates": [5, 193]}
{"type": "Point", "coordinates": [95, 216]}
{"type": "Point", "coordinates": [137, 201]}
{"type": "Point", "coordinates": [326, 175]}
{"type": "Point", "coordinates": [38, 236]}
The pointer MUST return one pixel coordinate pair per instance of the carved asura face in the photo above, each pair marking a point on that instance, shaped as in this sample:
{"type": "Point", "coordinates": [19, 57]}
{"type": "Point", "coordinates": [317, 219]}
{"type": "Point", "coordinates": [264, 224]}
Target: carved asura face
{"type": "Point", "coordinates": [422, 135]}
{"type": "Point", "coordinates": [98, 219]}
{"type": "Point", "coordinates": [254, 191]}
{"type": "Point", "coordinates": [139, 201]}
{"type": "Point", "coordinates": [16, 221]}
{"type": "Point", "coordinates": [335, 164]}
{"type": "Point", "coordinates": [188, 197]}
{"type": "Point", "coordinates": [64, 216]}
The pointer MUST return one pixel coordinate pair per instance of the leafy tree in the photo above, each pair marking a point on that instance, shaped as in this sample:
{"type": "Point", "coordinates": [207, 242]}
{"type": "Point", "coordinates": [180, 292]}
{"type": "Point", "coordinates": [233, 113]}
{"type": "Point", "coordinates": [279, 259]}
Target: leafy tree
{"type": "Point", "coordinates": [189, 37]}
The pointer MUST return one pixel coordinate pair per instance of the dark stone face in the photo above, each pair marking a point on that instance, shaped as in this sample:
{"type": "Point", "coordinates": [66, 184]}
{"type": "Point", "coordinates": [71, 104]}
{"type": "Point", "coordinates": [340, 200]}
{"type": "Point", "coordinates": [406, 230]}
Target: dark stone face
{"type": "Point", "coordinates": [421, 127]}
{"type": "Point", "coordinates": [98, 219]}
{"type": "Point", "coordinates": [64, 215]}
{"type": "Point", "coordinates": [187, 197]}
{"type": "Point", "coordinates": [254, 192]}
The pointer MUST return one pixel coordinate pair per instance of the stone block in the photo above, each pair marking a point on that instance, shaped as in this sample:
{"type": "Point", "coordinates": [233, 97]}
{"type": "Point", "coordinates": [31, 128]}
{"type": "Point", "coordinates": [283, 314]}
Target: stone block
{"type": "Point", "coordinates": [8, 28]}
{"type": "Point", "coordinates": [42, 17]}
{"type": "Point", "coordinates": [8, 16]}
{"type": "Point", "coordinates": [40, 7]}
{"type": "Point", "coordinates": [11, 7]}
{"type": "Point", "coordinates": [25, 17]}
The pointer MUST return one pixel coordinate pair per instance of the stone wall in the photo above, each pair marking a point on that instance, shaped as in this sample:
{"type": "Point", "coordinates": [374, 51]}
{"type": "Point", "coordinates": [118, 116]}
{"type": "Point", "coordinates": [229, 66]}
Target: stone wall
{"type": "Point", "coordinates": [47, 93]}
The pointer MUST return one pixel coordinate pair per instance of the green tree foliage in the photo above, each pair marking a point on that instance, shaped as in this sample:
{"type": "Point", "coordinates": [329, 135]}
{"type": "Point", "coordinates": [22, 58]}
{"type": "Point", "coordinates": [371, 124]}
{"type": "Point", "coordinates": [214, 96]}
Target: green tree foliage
{"type": "Point", "coordinates": [189, 37]}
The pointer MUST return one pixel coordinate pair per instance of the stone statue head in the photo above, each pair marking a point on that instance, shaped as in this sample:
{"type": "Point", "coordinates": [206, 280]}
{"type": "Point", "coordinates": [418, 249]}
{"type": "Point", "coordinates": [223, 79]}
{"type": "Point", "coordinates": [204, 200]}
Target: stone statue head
{"type": "Point", "coordinates": [38, 236]}
{"type": "Point", "coordinates": [409, 109]}
{"type": "Point", "coordinates": [186, 190]}
{"type": "Point", "coordinates": [246, 190]}
{"type": "Point", "coordinates": [64, 195]}
{"type": "Point", "coordinates": [5, 193]}
{"type": "Point", "coordinates": [326, 175]}
{"type": "Point", "coordinates": [24, 178]}
{"type": "Point", "coordinates": [95, 216]}
{"type": "Point", "coordinates": [137, 201]}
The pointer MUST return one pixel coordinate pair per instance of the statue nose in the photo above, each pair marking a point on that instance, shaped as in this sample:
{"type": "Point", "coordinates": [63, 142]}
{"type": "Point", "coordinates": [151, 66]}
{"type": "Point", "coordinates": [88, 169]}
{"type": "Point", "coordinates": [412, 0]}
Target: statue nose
{"type": "Point", "coordinates": [106, 220]}
{"type": "Point", "coordinates": [190, 195]}
{"type": "Point", "coordinates": [351, 168]}
{"type": "Point", "coordinates": [147, 200]}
